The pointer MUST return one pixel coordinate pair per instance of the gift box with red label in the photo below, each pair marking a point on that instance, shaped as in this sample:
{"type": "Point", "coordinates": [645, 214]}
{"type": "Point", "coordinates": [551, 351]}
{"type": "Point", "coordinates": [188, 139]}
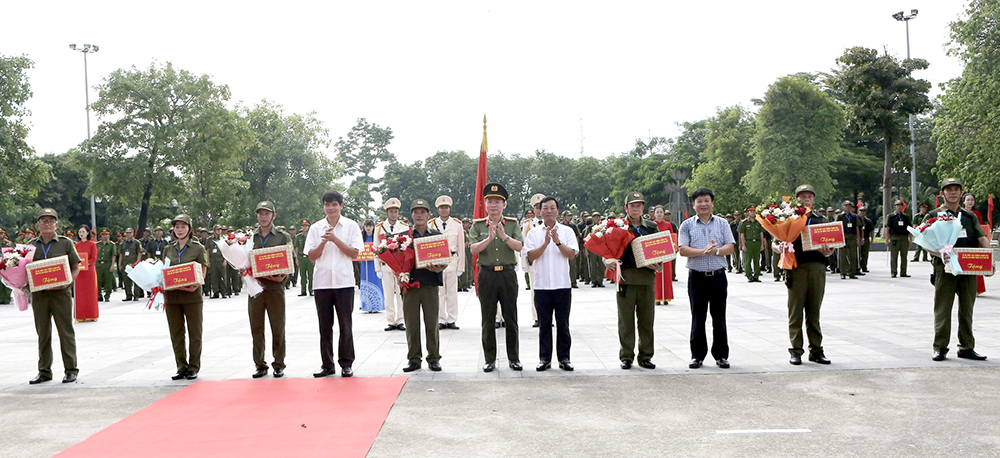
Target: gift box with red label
{"type": "Point", "coordinates": [83, 261]}
{"type": "Point", "coordinates": [46, 274]}
{"type": "Point", "coordinates": [432, 251]}
{"type": "Point", "coordinates": [275, 260]}
{"type": "Point", "coordinates": [182, 275]}
{"type": "Point", "coordinates": [826, 235]}
{"type": "Point", "coordinates": [974, 261]}
{"type": "Point", "coordinates": [654, 249]}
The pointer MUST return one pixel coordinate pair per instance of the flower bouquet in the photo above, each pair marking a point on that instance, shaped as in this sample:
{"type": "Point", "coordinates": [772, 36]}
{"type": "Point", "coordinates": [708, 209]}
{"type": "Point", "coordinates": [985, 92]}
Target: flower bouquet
{"type": "Point", "coordinates": [13, 262]}
{"type": "Point", "coordinates": [609, 240]}
{"type": "Point", "coordinates": [396, 253]}
{"type": "Point", "coordinates": [238, 256]}
{"type": "Point", "coordinates": [784, 221]}
{"type": "Point", "coordinates": [148, 275]}
{"type": "Point", "coordinates": [939, 234]}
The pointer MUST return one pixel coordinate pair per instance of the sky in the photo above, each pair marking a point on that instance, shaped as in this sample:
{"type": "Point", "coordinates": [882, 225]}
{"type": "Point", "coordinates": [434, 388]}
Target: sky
{"type": "Point", "coordinates": [539, 71]}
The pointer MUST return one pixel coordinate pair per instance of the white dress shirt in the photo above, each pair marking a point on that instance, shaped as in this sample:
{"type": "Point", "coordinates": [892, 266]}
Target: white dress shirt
{"type": "Point", "coordinates": [334, 269]}
{"type": "Point", "coordinates": [551, 268]}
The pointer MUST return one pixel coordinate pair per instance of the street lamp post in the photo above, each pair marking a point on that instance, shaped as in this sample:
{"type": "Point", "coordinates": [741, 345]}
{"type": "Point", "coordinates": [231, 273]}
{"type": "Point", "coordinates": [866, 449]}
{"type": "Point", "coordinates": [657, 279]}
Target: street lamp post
{"type": "Point", "coordinates": [900, 16]}
{"type": "Point", "coordinates": [87, 49]}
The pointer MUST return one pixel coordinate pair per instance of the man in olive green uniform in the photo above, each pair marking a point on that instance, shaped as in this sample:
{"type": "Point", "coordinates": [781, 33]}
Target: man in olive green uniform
{"type": "Point", "coordinates": [217, 266]}
{"type": "Point", "coordinates": [853, 229]}
{"type": "Point", "coordinates": [867, 235]}
{"type": "Point", "coordinates": [128, 255]}
{"type": "Point", "coordinates": [574, 265]}
{"type": "Point", "coordinates": [293, 279]}
{"type": "Point", "coordinates": [898, 238]}
{"type": "Point", "coordinates": [947, 286]}
{"type": "Point", "coordinates": [107, 254]}
{"type": "Point", "coordinates": [497, 239]}
{"type": "Point", "coordinates": [4, 291]}
{"type": "Point", "coordinates": [750, 235]}
{"type": "Point", "coordinates": [55, 305]}
{"type": "Point", "coordinates": [424, 298]}
{"type": "Point", "coordinates": [205, 239]}
{"type": "Point", "coordinates": [270, 301]}
{"type": "Point", "coordinates": [918, 219]}
{"type": "Point", "coordinates": [635, 298]}
{"type": "Point", "coordinates": [734, 224]}
{"type": "Point", "coordinates": [596, 263]}
{"type": "Point", "coordinates": [305, 265]}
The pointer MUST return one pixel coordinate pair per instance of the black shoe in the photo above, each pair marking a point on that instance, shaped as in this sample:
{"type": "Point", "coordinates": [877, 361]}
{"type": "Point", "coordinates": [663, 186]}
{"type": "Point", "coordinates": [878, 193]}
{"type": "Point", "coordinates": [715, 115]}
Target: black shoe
{"type": "Point", "coordinates": [442, 326]}
{"type": "Point", "coordinates": [574, 287]}
{"type": "Point", "coordinates": [515, 365]}
{"type": "Point", "coordinates": [818, 358]}
{"type": "Point", "coordinates": [565, 365]}
{"type": "Point", "coordinates": [401, 327]}
{"type": "Point", "coordinates": [861, 274]}
{"type": "Point", "coordinates": [535, 325]}
{"type": "Point", "coordinates": [70, 378]}
{"type": "Point", "coordinates": [904, 276]}
{"type": "Point", "coordinates": [593, 285]}
{"type": "Point", "coordinates": [488, 367]}
{"type": "Point", "coordinates": [544, 365]}
{"type": "Point", "coordinates": [179, 375]}
{"type": "Point", "coordinates": [722, 363]}
{"type": "Point", "coordinates": [695, 363]}
{"type": "Point", "coordinates": [435, 366]}
{"type": "Point", "coordinates": [498, 324]}
{"type": "Point", "coordinates": [39, 379]}
{"type": "Point", "coordinates": [323, 372]}
{"type": "Point", "coordinates": [191, 375]}
{"type": "Point", "coordinates": [843, 277]}
{"type": "Point", "coordinates": [278, 373]}
{"type": "Point", "coordinates": [893, 275]}
{"type": "Point", "coordinates": [390, 327]}
{"type": "Point", "coordinates": [215, 296]}
{"type": "Point", "coordinates": [971, 354]}
{"type": "Point", "coordinates": [412, 366]}
{"type": "Point", "coordinates": [864, 270]}
{"type": "Point", "coordinates": [301, 295]}
{"type": "Point", "coordinates": [128, 299]}
{"type": "Point", "coordinates": [600, 285]}
{"type": "Point", "coordinates": [914, 260]}
{"type": "Point", "coordinates": [346, 372]}
{"type": "Point", "coordinates": [852, 277]}
{"type": "Point", "coordinates": [452, 325]}
{"type": "Point", "coordinates": [647, 364]}
{"type": "Point", "coordinates": [626, 364]}
{"type": "Point", "coordinates": [940, 355]}
{"type": "Point", "coordinates": [795, 359]}
{"type": "Point", "coordinates": [260, 373]}
{"type": "Point", "coordinates": [777, 279]}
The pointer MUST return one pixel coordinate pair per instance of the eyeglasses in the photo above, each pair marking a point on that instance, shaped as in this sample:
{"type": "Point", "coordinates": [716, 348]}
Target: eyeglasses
{"type": "Point", "coordinates": [43, 222]}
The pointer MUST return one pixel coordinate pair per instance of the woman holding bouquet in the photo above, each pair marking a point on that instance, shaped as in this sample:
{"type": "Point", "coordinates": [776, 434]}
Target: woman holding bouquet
{"type": "Point", "coordinates": [86, 282]}
{"type": "Point", "coordinates": [185, 304]}
{"type": "Point", "coordinates": [969, 204]}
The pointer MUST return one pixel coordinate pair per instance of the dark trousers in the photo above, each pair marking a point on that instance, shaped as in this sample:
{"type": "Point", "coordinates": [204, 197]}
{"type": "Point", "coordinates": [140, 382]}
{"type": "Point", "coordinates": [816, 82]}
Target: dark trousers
{"type": "Point", "coordinates": [898, 246]}
{"type": "Point", "coordinates": [806, 287]}
{"type": "Point", "coordinates": [131, 289]}
{"type": "Point", "coordinates": [415, 300]}
{"type": "Point", "coordinates": [498, 287]}
{"type": "Point", "coordinates": [636, 310]}
{"type": "Point", "coordinates": [341, 302]}
{"type": "Point", "coordinates": [272, 302]}
{"type": "Point", "coordinates": [548, 302]}
{"type": "Point", "coordinates": [219, 280]}
{"type": "Point", "coordinates": [58, 309]}
{"type": "Point", "coordinates": [946, 287]}
{"type": "Point", "coordinates": [708, 296]}
{"type": "Point", "coordinates": [187, 359]}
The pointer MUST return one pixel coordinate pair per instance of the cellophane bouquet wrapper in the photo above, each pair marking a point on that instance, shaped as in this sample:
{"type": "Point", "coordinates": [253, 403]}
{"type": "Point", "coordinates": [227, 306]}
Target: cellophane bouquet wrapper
{"type": "Point", "coordinates": [148, 275]}
{"type": "Point", "coordinates": [16, 278]}
{"type": "Point", "coordinates": [940, 237]}
{"type": "Point", "coordinates": [238, 256]}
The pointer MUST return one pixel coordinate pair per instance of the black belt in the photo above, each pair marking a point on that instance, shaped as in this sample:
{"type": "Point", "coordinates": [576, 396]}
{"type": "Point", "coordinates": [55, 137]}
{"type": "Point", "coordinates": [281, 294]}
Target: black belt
{"type": "Point", "coordinates": [709, 273]}
{"type": "Point", "coordinates": [497, 268]}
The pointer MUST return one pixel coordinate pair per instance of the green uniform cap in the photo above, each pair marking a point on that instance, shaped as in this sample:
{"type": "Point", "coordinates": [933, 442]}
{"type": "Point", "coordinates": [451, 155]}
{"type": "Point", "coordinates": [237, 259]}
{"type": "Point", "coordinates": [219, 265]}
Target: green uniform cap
{"type": "Point", "coordinates": [634, 197]}
{"type": "Point", "coordinates": [804, 188]}
{"type": "Point", "coordinates": [420, 203]}
{"type": "Point", "coordinates": [265, 205]}
{"type": "Point", "coordinates": [48, 212]}
{"type": "Point", "coordinates": [182, 218]}
{"type": "Point", "coordinates": [951, 181]}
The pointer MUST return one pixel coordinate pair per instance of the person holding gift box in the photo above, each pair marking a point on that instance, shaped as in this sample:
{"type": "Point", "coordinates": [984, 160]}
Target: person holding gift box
{"type": "Point", "coordinates": [85, 287]}
{"type": "Point", "coordinates": [184, 305]}
{"type": "Point", "coordinates": [272, 300]}
{"type": "Point", "coordinates": [54, 305]}
{"type": "Point", "coordinates": [947, 285]}
{"type": "Point", "coordinates": [422, 298]}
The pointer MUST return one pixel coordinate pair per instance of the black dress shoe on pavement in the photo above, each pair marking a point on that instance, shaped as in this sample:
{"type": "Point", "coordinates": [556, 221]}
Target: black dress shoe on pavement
{"type": "Point", "coordinates": [940, 356]}
{"type": "Point", "coordinates": [442, 326]}
{"type": "Point", "coordinates": [694, 364]}
{"type": "Point", "coordinates": [278, 373]}
{"type": "Point", "coordinates": [488, 367]}
{"type": "Point", "coordinates": [565, 365]}
{"type": "Point", "coordinates": [39, 379]}
{"type": "Point", "coordinates": [435, 366]}
{"type": "Point", "coordinates": [515, 365]}
{"type": "Point", "coordinates": [323, 372]}
{"type": "Point", "coordinates": [179, 376]}
{"type": "Point", "coordinates": [722, 363]}
{"type": "Point", "coordinates": [412, 366]}
{"type": "Point", "coordinates": [191, 376]}
{"type": "Point", "coordinates": [904, 276]}
{"type": "Point", "coordinates": [861, 274]}
{"type": "Point", "coordinates": [346, 372]}
{"type": "Point", "coordinates": [971, 354]}
{"type": "Point", "coordinates": [818, 358]}
{"type": "Point", "coordinates": [626, 364]}
{"type": "Point", "coordinates": [391, 327]}
{"type": "Point", "coordinates": [452, 325]}
{"type": "Point", "coordinates": [647, 364]}
{"type": "Point", "coordinates": [535, 325]}
{"type": "Point", "coordinates": [401, 327]}
{"type": "Point", "coordinates": [303, 294]}
{"type": "Point", "coordinates": [70, 378]}
{"type": "Point", "coordinates": [260, 373]}
{"type": "Point", "coordinates": [795, 359]}
{"type": "Point", "coordinates": [542, 366]}
{"type": "Point", "coordinates": [852, 277]}
{"type": "Point", "coordinates": [893, 275]}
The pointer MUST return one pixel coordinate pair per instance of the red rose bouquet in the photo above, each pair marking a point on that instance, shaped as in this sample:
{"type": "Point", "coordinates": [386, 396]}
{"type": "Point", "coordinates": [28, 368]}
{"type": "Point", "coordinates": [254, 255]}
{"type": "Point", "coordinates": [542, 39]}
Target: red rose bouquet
{"type": "Point", "coordinates": [396, 252]}
{"type": "Point", "coordinates": [13, 262]}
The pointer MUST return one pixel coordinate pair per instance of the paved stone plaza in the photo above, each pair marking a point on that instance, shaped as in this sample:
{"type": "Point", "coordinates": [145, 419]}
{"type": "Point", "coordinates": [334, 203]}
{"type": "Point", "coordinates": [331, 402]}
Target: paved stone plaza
{"type": "Point", "coordinates": [873, 323]}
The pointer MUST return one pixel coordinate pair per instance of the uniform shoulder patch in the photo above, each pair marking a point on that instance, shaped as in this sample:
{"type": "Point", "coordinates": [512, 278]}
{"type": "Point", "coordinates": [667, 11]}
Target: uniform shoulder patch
{"type": "Point", "coordinates": [510, 218]}
{"type": "Point", "coordinates": [479, 220]}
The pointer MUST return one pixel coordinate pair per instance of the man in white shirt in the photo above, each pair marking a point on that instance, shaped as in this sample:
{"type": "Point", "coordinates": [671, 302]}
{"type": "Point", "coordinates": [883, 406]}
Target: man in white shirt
{"type": "Point", "coordinates": [550, 247]}
{"type": "Point", "coordinates": [390, 283]}
{"type": "Point", "coordinates": [333, 242]}
{"type": "Point", "coordinates": [452, 227]}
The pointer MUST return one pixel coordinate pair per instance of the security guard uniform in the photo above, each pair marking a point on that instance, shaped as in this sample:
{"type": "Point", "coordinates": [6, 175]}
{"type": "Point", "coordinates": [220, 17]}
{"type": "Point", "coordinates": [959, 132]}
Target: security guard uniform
{"type": "Point", "coordinates": [867, 235]}
{"type": "Point", "coordinates": [596, 263]}
{"type": "Point", "coordinates": [899, 240]}
{"type": "Point", "coordinates": [635, 299]}
{"type": "Point", "coordinates": [128, 254]}
{"type": "Point", "coordinates": [218, 277]}
{"type": "Point", "coordinates": [270, 301]}
{"type": "Point", "coordinates": [806, 285]}
{"type": "Point", "coordinates": [106, 254]}
{"type": "Point", "coordinates": [750, 234]}
{"type": "Point", "coordinates": [853, 227]}
{"type": "Point", "coordinates": [305, 265]}
{"type": "Point", "coordinates": [184, 309]}
{"type": "Point", "coordinates": [154, 247]}
{"type": "Point", "coordinates": [232, 275]}
{"type": "Point", "coordinates": [424, 299]}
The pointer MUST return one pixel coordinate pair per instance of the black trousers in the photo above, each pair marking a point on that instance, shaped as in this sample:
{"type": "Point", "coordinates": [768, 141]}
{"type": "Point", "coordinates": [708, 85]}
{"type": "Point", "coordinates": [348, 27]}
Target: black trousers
{"type": "Point", "coordinates": [341, 301]}
{"type": "Point", "coordinates": [708, 296]}
{"type": "Point", "coordinates": [498, 287]}
{"type": "Point", "coordinates": [547, 302]}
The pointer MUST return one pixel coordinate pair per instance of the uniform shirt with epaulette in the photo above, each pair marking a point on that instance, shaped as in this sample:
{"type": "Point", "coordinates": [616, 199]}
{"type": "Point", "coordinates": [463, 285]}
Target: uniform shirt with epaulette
{"type": "Point", "coordinates": [273, 239]}
{"type": "Point", "coordinates": [193, 251]}
{"type": "Point", "coordinates": [971, 229]}
{"type": "Point", "coordinates": [497, 253]}
{"type": "Point", "coordinates": [106, 252]}
{"type": "Point", "coordinates": [751, 229]}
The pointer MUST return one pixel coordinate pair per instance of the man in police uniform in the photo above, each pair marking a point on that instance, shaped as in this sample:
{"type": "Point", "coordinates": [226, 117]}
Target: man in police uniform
{"type": "Point", "coordinates": [574, 264]}
{"type": "Point", "coordinates": [918, 219]}
{"type": "Point", "coordinates": [154, 247]}
{"type": "Point", "coordinates": [947, 286]}
{"type": "Point", "coordinates": [54, 304]}
{"type": "Point", "coordinates": [750, 235]}
{"type": "Point", "coordinates": [305, 265]}
{"type": "Point", "coordinates": [867, 235]}
{"type": "Point", "coordinates": [129, 254]}
{"type": "Point", "coordinates": [390, 284]}
{"type": "Point", "coordinates": [806, 285]}
{"type": "Point", "coordinates": [596, 263]}
{"type": "Point", "coordinates": [448, 294]}
{"type": "Point", "coordinates": [271, 300]}
{"type": "Point", "coordinates": [853, 230]}
{"type": "Point", "coordinates": [106, 255]}
{"type": "Point", "coordinates": [497, 240]}
{"type": "Point", "coordinates": [217, 266]}
{"type": "Point", "coordinates": [737, 254]}
{"type": "Point", "coordinates": [898, 239]}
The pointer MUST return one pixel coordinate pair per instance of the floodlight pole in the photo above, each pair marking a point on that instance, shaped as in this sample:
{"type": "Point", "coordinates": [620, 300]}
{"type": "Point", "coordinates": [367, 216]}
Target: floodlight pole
{"type": "Point", "coordinates": [87, 49]}
{"type": "Point", "coordinates": [913, 155]}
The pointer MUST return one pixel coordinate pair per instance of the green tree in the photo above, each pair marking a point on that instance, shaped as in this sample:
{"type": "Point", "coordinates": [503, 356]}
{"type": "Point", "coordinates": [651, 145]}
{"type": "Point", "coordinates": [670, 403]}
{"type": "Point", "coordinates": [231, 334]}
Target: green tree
{"type": "Point", "coordinates": [21, 173]}
{"type": "Point", "coordinates": [364, 150]}
{"type": "Point", "coordinates": [967, 127]}
{"type": "Point", "coordinates": [407, 182]}
{"type": "Point", "coordinates": [65, 191]}
{"type": "Point", "coordinates": [453, 173]}
{"type": "Point", "coordinates": [798, 132]}
{"type": "Point", "coordinates": [879, 93]}
{"type": "Point", "coordinates": [158, 121]}
{"type": "Point", "coordinates": [727, 158]}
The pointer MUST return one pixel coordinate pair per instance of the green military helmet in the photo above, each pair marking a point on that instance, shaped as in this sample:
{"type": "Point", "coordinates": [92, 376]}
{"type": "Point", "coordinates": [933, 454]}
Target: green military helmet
{"type": "Point", "coordinates": [951, 182]}
{"type": "Point", "coordinates": [265, 205]}
{"type": "Point", "coordinates": [184, 218]}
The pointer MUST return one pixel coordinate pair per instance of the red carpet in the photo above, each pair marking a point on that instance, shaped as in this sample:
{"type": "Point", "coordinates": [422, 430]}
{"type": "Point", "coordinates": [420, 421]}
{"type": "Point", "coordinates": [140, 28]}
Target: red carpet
{"type": "Point", "coordinates": [253, 418]}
